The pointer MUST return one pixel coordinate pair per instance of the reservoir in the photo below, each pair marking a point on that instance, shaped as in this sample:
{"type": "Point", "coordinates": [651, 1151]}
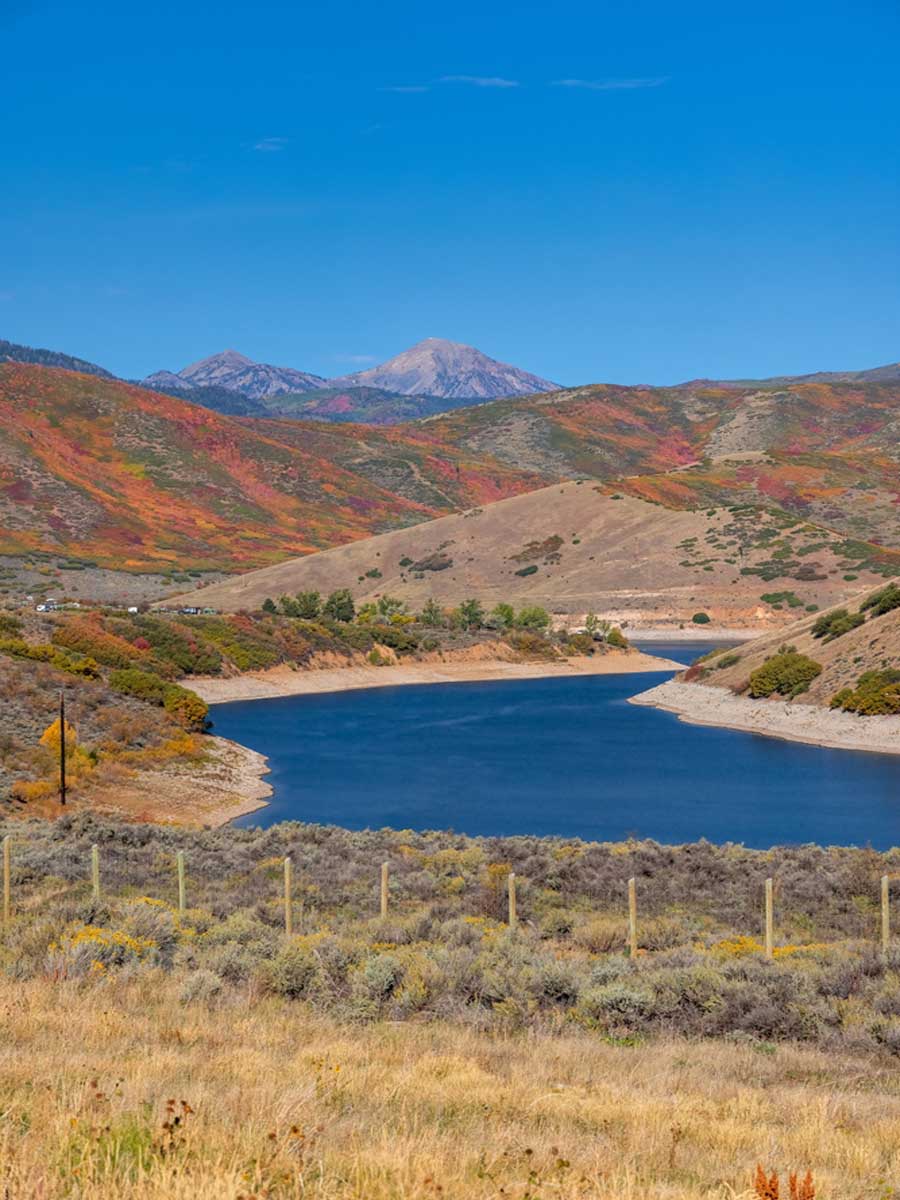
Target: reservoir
{"type": "Point", "coordinates": [568, 757]}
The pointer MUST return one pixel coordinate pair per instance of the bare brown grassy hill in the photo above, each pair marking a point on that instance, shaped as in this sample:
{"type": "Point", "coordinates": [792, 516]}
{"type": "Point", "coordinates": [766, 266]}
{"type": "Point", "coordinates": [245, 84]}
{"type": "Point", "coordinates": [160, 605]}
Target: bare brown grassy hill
{"type": "Point", "coordinates": [573, 548]}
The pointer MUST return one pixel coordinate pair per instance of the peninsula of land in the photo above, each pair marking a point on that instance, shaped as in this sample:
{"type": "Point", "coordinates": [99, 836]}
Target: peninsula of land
{"type": "Point", "coordinates": [700, 705]}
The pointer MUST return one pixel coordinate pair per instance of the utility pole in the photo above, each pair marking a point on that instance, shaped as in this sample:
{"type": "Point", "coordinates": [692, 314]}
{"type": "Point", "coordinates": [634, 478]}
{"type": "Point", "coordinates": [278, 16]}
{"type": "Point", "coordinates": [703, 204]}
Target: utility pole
{"type": "Point", "coordinates": [62, 747]}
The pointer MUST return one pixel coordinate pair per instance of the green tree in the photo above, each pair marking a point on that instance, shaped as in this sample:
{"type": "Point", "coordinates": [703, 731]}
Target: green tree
{"type": "Point", "coordinates": [615, 637]}
{"type": "Point", "coordinates": [269, 605]}
{"type": "Point", "coordinates": [388, 606]}
{"type": "Point", "coordinates": [432, 614]}
{"type": "Point", "coordinates": [471, 614]}
{"type": "Point", "coordinates": [503, 615]}
{"type": "Point", "coordinates": [309, 605]}
{"type": "Point", "coordinates": [288, 606]}
{"type": "Point", "coordinates": [339, 605]}
{"type": "Point", "coordinates": [594, 625]}
{"type": "Point", "coordinates": [367, 613]}
{"type": "Point", "coordinates": [533, 617]}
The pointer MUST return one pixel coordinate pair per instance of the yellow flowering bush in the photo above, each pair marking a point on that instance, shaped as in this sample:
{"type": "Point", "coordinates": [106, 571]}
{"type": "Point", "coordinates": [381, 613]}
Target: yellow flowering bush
{"type": "Point", "coordinates": [737, 947]}
{"type": "Point", "coordinates": [85, 949]}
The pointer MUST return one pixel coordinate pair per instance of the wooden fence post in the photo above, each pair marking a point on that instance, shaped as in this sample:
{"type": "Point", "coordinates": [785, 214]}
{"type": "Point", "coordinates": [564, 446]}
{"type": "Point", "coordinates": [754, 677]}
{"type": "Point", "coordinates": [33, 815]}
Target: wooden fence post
{"type": "Point", "coordinates": [885, 914]}
{"type": "Point", "coordinates": [288, 899]}
{"type": "Point", "coordinates": [179, 860]}
{"type": "Point", "coordinates": [770, 927]}
{"type": "Point", "coordinates": [632, 918]}
{"type": "Point", "coordinates": [6, 880]}
{"type": "Point", "coordinates": [511, 895]}
{"type": "Point", "coordinates": [385, 871]}
{"type": "Point", "coordinates": [95, 871]}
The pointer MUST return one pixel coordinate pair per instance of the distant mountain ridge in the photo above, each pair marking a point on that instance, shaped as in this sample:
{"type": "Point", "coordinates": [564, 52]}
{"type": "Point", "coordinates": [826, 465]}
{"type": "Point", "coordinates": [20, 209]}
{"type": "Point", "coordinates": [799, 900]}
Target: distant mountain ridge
{"type": "Point", "coordinates": [11, 352]}
{"type": "Point", "coordinates": [433, 368]}
{"type": "Point", "coordinates": [366, 405]}
{"type": "Point", "coordinates": [889, 373]}
{"type": "Point", "coordinates": [431, 377]}
{"type": "Point", "coordinates": [236, 373]}
{"type": "Point", "coordinates": [448, 370]}
{"type": "Point", "coordinates": [362, 405]}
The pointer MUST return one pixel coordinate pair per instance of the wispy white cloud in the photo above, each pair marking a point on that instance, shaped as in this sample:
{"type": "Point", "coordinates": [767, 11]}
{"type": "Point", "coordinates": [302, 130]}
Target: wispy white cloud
{"type": "Point", "coordinates": [612, 85]}
{"type": "Point", "coordinates": [358, 360]}
{"type": "Point", "coordinates": [406, 88]}
{"type": "Point", "coordinates": [483, 81]}
{"type": "Point", "coordinates": [270, 145]}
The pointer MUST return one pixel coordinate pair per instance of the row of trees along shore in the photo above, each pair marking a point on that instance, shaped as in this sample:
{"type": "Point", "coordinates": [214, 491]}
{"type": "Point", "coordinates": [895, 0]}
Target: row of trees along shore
{"type": "Point", "coordinates": [469, 615]}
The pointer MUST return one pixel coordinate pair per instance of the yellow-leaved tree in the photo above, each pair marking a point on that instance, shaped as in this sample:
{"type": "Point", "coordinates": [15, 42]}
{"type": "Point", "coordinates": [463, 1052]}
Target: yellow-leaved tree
{"type": "Point", "coordinates": [79, 762]}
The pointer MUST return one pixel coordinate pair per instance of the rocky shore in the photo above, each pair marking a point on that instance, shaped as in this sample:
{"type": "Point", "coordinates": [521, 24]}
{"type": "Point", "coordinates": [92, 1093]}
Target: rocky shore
{"type": "Point", "coordinates": [795, 722]}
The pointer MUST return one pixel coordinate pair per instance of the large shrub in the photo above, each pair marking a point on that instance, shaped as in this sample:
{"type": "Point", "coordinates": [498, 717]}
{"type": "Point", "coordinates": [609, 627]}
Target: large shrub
{"type": "Point", "coordinates": [877, 693]}
{"type": "Point", "coordinates": [339, 606]}
{"type": "Point", "coordinates": [143, 685]}
{"type": "Point", "coordinates": [309, 605]}
{"type": "Point", "coordinates": [398, 639]}
{"type": "Point", "coordinates": [787, 673]}
{"type": "Point", "coordinates": [72, 664]}
{"type": "Point", "coordinates": [531, 644]}
{"type": "Point", "coordinates": [833, 624]}
{"type": "Point", "coordinates": [9, 625]}
{"type": "Point", "coordinates": [239, 640]}
{"type": "Point", "coordinates": [186, 707]}
{"type": "Point", "coordinates": [533, 617]}
{"type": "Point", "coordinates": [185, 648]}
{"type": "Point", "coordinates": [87, 636]}
{"type": "Point", "coordinates": [580, 643]}
{"type": "Point", "coordinates": [183, 704]}
{"type": "Point", "coordinates": [882, 601]}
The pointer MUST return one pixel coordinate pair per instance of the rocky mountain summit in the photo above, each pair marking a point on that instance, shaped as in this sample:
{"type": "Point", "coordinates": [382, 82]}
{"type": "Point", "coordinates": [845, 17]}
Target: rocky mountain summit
{"type": "Point", "coordinates": [237, 373]}
{"type": "Point", "coordinates": [443, 374]}
{"type": "Point", "coordinates": [450, 370]}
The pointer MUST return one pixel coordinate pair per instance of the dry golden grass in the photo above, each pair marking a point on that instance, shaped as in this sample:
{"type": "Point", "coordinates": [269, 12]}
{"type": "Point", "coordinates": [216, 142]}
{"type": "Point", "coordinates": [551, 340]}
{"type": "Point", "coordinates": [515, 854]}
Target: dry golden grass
{"type": "Point", "coordinates": [116, 1089]}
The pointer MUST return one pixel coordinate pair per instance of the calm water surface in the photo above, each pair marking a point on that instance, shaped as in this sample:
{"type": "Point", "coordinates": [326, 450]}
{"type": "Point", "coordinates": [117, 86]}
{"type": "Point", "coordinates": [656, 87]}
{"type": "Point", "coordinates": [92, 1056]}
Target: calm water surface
{"type": "Point", "coordinates": [555, 756]}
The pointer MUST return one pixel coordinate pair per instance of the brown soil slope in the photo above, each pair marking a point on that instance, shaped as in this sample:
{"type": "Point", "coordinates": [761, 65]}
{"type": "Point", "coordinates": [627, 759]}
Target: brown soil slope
{"type": "Point", "coordinates": [871, 646]}
{"type": "Point", "coordinates": [573, 549]}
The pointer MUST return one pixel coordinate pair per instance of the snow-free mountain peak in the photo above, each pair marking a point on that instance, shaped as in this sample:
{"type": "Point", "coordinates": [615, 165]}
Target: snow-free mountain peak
{"type": "Point", "coordinates": [450, 370]}
{"type": "Point", "coordinates": [237, 373]}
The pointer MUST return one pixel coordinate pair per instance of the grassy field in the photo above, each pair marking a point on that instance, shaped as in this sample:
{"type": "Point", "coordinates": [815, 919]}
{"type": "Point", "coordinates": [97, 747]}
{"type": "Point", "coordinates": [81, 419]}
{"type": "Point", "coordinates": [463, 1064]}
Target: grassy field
{"type": "Point", "coordinates": [119, 1089]}
{"type": "Point", "coordinates": [436, 1053]}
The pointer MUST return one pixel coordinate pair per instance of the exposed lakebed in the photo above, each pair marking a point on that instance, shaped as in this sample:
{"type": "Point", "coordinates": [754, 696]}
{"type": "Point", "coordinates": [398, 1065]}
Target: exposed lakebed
{"type": "Point", "coordinates": [569, 757]}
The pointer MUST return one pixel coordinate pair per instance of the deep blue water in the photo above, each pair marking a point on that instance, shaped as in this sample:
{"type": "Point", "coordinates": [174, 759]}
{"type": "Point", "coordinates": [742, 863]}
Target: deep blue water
{"type": "Point", "coordinates": [555, 756]}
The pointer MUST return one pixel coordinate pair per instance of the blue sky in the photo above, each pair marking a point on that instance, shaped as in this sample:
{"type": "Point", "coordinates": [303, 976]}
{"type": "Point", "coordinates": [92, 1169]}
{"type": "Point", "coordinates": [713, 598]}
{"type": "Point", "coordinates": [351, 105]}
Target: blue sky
{"type": "Point", "coordinates": [632, 192]}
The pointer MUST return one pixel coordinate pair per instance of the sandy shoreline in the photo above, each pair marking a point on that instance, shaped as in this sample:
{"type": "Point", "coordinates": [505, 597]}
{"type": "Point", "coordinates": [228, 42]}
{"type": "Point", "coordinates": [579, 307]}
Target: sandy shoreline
{"type": "Point", "coordinates": [701, 705]}
{"type": "Point", "coordinates": [284, 681]}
